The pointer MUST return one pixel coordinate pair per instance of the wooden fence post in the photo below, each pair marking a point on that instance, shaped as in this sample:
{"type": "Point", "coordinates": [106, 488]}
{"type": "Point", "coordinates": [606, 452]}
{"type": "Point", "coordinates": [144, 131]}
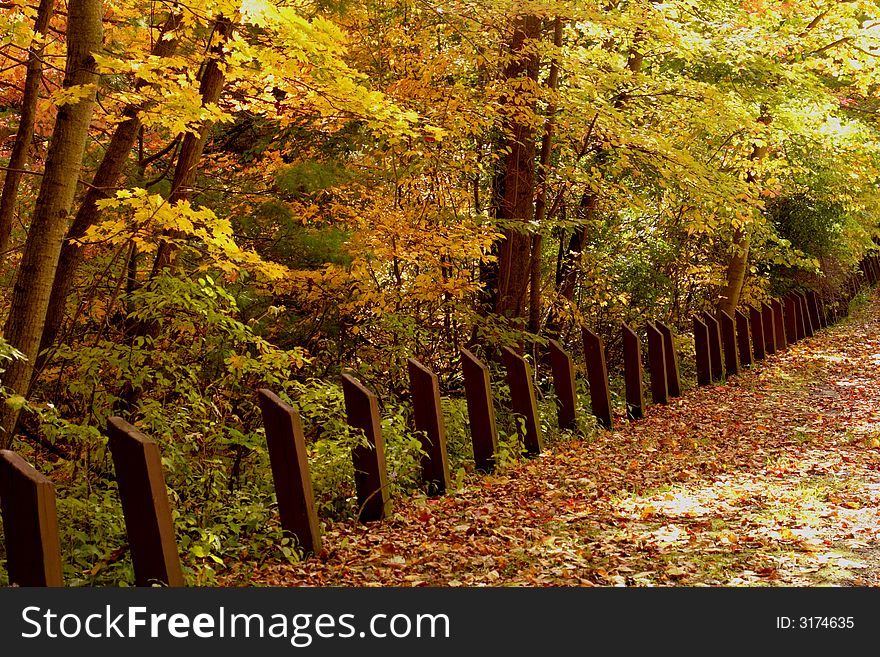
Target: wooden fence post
{"type": "Point", "coordinates": [809, 329]}
{"type": "Point", "coordinates": [370, 472]}
{"type": "Point", "coordinates": [756, 321]}
{"type": "Point", "coordinates": [428, 416]}
{"type": "Point", "coordinates": [701, 347]}
{"type": "Point", "coordinates": [793, 328]}
{"type": "Point", "coordinates": [290, 471]}
{"type": "Point", "coordinates": [769, 324]}
{"type": "Point", "coordinates": [715, 360]}
{"type": "Point", "coordinates": [633, 374]}
{"type": "Point", "coordinates": [481, 411]}
{"type": "Point", "coordinates": [597, 375]}
{"type": "Point", "coordinates": [728, 341]}
{"type": "Point", "coordinates": [673, 385]}
{"type": "Point", "coordinates": [523, 402]}
{"type": "Point", "coordinates": [657, 363]}
{"type": "Point", "coordinates": [827, 319]}
{"type": "Point", "coordinates": [743, 342]}
{"type": "Point", "coordinates": [815, 315]}
{"type": "Point", "coordinates": [803, 316]}
{"type": "Point", "coordinates": [779, 325]}
{"type": "Point", "coordinates": [30, 524]}
{"type": "Point", "coordinates": [145, 505]}
{"type": "Point", "coordinates": [564, 385]}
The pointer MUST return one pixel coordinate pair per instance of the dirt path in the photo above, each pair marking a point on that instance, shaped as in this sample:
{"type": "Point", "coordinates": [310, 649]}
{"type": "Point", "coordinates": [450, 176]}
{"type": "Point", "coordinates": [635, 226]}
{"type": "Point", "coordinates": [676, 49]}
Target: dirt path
{"type": "Point", "coordinates": [770, 479]}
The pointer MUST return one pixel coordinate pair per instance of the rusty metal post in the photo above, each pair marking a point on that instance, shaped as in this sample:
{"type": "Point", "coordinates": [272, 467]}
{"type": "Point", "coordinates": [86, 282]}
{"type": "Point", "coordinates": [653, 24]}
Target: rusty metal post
{"type": "Point", "coordinates": [769, 324]}
{"type": "Point", "coordinates": [30, 524]}
{"type": "Point", "coordinates": [673, 385]}
{"type": "Point", "coordinates": [145, 505]}
{"type": "Point", "coordinates": [809, 329]}
{"type": "Point", "coordinates": [743, 343]}
{"type": "Point", "coordinates": [597, 375]}
{"type": "Point", "coordinates": [793, 328]}
{"type": "Point", "coordinates": [800, 316]}
{"type": "Point", "coordinates": [728, 341]}
{"type": "Point", "coordinates": [370, 472]}
{"type": "Point", "coordinates": [756, 322]}
{"type": "Point", "coordinates": [428, 416]}
{"type": "Point", "coordinates": [564, 385]}
{"type": "Point", "coordinates": [820, 306]}
{"type": "Point", "coordinates": [290, 471]}
{"type": "Point", "coordinates": [657, 363]}
{"type": "Point", "coordinates": [523, 402]}
{"type": "Point", "coordinates": [481, 411]}
{"type": "Point", "coordinates": [813, 305]}
{"type": "Point", "coordinates": [779, 325]}
{"type": "Point", "coordinates": [701, 347]}
{"type": "Point", "coordinates": [715, 360]}
{"type": "Point", "coordinates": [633, 374]}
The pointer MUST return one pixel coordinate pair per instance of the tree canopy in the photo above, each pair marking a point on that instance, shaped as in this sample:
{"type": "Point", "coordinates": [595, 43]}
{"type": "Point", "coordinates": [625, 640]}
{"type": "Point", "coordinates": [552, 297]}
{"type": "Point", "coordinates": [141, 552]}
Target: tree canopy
{"type": "Point", "coordinates": [203, 199]}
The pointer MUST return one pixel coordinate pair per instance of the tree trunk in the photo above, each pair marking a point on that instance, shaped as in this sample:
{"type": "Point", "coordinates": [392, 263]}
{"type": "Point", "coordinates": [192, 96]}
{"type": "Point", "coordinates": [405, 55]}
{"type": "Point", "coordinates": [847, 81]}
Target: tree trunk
{"type": "Point", "coordinates": [739, 259]}
{"type": "Point", "coordinates": [33, 285]}
{"type": "Point", "coordinates": [517, 204]}
{"type": "Point", "coordinates": [27, 119]}
{"type": "Point", "coordinates": [104, 181]}
{"type": "Point", "coordinates": [736, 272]}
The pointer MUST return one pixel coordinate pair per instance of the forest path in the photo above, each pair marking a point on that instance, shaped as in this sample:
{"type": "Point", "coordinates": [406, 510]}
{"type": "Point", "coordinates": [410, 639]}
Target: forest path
{"type": "Point", "coordinates": [772, 478]}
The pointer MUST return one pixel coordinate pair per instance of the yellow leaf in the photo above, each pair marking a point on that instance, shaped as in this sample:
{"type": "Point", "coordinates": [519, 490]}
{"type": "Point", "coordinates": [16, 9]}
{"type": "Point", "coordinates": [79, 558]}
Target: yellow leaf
{"type": "Point", "coordinates": [16, 401]}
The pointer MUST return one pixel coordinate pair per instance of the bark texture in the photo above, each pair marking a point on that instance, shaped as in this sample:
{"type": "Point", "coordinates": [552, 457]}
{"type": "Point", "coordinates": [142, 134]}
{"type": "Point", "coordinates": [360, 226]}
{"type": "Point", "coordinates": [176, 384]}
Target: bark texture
{"type": "Point", "coordinates": [738, 263]}
{"type": "Point", "coordinates": [516, 206]}
{"type": "Point", "coordinates": [18, 159]}
{"type": "Point", "coordinates": [33, 285]}
{"type": "Point", "coordinates": [103, 183]}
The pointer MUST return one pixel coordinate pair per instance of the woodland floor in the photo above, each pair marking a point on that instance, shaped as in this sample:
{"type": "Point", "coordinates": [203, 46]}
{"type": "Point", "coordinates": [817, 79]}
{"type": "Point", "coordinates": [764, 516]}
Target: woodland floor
{"type": "Point", "coordinates": [770, 479]}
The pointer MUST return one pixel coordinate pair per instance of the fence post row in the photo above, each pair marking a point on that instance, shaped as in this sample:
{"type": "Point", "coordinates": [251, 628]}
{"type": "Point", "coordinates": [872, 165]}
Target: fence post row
{"type": "Point", "coordinates": [27, 499]}
{"type": "Point", "coordinates": [633, 374]}
{"type": "Point", "coordinates": [145, 505]}
{"type": "Point", "coordinates": [428, 417]}
{"type": "Point", "coordinates": [523, 401]}
{"type": "Point", "coordinates": [30, 524]}
{"type": "Point", "coordinates": [290, 471]}
{"type": "Point", "coordinates": [370, 473]}
{"type": "Point", "coordinates": [564, 385]}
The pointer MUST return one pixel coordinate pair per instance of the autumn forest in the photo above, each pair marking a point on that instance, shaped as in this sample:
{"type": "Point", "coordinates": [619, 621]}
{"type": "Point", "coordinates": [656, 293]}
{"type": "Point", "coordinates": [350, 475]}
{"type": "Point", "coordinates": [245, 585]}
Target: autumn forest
{"type": "Point", "coordinates": [205, 199]}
